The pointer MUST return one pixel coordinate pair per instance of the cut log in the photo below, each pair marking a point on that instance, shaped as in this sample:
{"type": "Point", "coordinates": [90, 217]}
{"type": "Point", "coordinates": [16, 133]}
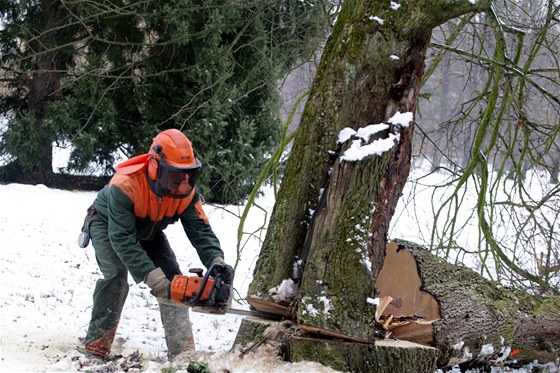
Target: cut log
{"type": "Point", "coordinates": [461, 313]}
{"type": "Point", "coordinates": [386, 356]}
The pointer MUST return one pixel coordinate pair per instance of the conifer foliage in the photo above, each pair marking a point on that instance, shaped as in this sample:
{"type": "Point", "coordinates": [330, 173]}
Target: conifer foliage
{"type": "Point", "coordinates": [121, 71]}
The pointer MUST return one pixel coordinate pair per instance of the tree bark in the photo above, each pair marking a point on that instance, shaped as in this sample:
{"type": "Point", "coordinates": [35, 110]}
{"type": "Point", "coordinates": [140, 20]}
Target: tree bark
{"type": "Point", "coordinates": [381, 357]}
{"type": "Point", "coordinates": [322, 221]}
{"type": "Point", "coordinates": [468, 318]}
{"type": "Point", "coordinates": [44, 84]}
{"type": "Point", "coordinates": [329, 226]}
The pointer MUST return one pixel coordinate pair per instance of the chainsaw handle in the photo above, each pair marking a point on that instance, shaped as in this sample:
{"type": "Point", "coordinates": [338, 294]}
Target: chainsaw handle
{"type": "Point", "coordinates": [219, 269]}
{"type": "Point", "coordinates": [198, 271]}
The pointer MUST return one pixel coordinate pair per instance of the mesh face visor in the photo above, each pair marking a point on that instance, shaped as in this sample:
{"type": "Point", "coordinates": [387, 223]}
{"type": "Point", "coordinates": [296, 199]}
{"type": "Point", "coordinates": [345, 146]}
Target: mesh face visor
{"type": "Point", "coordinates": [177, 182]}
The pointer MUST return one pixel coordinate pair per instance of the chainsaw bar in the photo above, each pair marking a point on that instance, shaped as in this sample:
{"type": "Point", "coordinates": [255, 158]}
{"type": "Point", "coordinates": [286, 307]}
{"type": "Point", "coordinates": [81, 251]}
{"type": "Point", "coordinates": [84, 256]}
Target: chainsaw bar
{"type": "Point", "coordinates": [250, 313]}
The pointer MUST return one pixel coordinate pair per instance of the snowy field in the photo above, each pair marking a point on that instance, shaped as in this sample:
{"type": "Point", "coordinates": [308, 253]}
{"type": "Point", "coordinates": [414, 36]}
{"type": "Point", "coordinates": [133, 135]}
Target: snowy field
{"type": "Point", "coordinates": [47, 284]}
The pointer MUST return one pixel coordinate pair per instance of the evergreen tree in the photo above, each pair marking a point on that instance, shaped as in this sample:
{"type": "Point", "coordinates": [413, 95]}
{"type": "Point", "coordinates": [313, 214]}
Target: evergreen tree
{"type": "Point", "coordinates": [37, 50]}
{"type": "Point", "coordinates": [224, 60]}
{"type": "Point", "coordinates": [208, 68]}
{"type": "Point", "coordinates": [100, 108]}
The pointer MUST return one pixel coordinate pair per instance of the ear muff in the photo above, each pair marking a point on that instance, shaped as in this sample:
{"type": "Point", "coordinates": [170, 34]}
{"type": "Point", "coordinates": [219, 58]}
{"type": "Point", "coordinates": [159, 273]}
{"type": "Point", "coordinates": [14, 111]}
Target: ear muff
{"type": "Point", "coordinates": [152, 168]}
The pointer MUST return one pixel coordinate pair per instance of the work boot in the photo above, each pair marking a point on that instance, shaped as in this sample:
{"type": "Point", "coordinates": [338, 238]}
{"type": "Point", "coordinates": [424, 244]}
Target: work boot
{"type": "Point", "coordinates": [95, 359]}
{"type": "Point", "coordinates": [177, 328]}
{"type": "Point", "coordinates": [102, 345]}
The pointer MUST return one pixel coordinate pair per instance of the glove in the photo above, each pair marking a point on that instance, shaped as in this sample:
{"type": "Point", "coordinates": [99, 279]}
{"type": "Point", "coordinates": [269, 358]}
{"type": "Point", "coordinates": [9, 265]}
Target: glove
{"type": "Point", "coordinates": [226, 271]}
{"type": "Point", "coordinates": [159, 284]}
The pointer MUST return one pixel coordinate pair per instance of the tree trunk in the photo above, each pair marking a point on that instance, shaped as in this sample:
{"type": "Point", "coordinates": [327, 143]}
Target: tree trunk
{"type": "Point", "coordinates": [322, 222]}
{"type": "Point", "coordinates": [468, 318]}
{"type": "Point", "coordinates": [44, 84]}
{"type": "Point", "coordinates": [434, 315]}
{"type": "Point", "coordinates": [329, 226]}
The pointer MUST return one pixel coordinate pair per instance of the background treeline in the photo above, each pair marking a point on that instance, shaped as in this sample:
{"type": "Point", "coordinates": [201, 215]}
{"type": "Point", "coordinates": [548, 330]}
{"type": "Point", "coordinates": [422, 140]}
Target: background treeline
{"type": "Point", "coordinates": [489, 117]}
{"type": "Point", "coordinates": [105, 76]}
{"type": "Point", "coordinates": [515, 44]}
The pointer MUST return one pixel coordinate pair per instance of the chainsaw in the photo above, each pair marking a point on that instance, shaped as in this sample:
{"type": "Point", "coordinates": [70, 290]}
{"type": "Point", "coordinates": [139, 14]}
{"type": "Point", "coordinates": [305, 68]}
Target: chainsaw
{"type": "Point", "coordinates": [208, 293]}
{"type": "Point", "coordinates": [205, 291]}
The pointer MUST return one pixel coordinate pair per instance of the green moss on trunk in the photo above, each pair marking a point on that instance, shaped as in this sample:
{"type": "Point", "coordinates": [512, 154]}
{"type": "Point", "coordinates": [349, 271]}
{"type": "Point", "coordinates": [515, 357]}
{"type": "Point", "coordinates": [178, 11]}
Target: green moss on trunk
{"type": "Point", "coordinates": [250, 332]}
{"type": "Point", "coordinates": [371, 68]}
{"type": "Point", "coordinates": [381, 357]}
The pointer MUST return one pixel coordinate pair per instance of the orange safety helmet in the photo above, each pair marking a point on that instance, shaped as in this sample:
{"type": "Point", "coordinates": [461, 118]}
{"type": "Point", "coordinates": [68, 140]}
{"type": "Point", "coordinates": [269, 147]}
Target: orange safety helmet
{"type": "Point", "coordinates": [173, 165]}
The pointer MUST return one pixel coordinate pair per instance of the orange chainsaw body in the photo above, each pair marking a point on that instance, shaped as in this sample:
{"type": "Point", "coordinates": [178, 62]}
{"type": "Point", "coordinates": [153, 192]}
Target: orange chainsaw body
{"type": "Point", "coordinates": [185, 288]}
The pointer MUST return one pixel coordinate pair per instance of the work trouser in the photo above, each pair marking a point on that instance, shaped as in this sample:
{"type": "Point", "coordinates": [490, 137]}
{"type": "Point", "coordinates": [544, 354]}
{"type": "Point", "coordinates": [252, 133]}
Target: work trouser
{"type": "Point", "coordinates": [111, 291]}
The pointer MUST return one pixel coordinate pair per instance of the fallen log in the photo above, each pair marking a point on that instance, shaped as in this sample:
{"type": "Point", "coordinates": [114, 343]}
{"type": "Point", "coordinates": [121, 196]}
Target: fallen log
{"type": "Point", "coordinates": [448, 314]}
{"type": "Point", "coordinates": [465, 316]}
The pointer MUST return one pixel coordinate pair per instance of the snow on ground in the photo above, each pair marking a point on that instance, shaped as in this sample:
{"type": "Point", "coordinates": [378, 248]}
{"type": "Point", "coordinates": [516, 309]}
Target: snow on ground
{"type": "Point", "coordinates": [47, 283]}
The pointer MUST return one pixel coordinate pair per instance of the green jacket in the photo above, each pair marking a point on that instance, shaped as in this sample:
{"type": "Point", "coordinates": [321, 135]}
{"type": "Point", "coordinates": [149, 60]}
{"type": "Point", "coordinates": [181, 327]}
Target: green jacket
{"type": "Point", "coordinates": [133, 212]}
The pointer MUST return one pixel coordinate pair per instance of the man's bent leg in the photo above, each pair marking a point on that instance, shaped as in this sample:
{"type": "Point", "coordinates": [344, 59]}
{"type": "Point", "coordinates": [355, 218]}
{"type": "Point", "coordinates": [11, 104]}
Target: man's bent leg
{"type": "Point", "coordinates": [109, 294]}
{"type": "Point", "coordinates": [174, 317]}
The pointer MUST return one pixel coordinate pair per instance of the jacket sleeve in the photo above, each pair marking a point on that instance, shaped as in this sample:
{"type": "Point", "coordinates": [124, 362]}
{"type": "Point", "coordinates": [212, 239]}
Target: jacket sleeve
{"type": "Point", "coordinates": [122, 234]}
{"type": "Point", "coordinates": [200, 233]}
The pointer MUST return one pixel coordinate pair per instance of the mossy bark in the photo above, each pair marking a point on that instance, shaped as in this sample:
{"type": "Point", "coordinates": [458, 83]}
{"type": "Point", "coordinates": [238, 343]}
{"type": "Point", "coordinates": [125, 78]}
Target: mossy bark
{"type": "Point", "coordinates": [250, 331]}
{"type": "Point", "coordinates": [381, 357]}
{"type": "Point", "coordinates": [337, 280]}
{"type": "Point", "coordinates": [537, 331]}
{"type": "Point", "coordinates": [371, 68]}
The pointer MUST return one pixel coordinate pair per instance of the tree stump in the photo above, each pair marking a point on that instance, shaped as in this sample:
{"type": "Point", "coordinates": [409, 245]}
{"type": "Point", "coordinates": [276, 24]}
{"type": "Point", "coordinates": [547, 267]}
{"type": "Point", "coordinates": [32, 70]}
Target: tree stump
{"type": "Point", "coordinates": [386, 356]}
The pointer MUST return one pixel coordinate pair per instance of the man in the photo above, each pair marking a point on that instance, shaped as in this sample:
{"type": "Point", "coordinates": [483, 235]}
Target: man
{"type": "Point", "coordinates": [147, 193]}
